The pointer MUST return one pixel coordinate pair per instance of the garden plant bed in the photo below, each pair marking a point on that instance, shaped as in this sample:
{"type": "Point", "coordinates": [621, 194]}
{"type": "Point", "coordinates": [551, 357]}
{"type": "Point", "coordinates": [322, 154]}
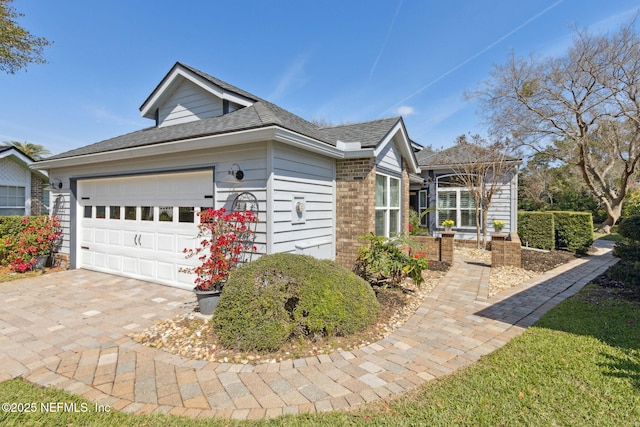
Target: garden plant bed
{"type": "Point", "coordinates": [192, 337]}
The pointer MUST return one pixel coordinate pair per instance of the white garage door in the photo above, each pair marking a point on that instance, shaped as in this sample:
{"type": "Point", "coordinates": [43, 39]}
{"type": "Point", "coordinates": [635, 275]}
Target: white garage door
{"type": "Point", "coordinates": [138, 226]}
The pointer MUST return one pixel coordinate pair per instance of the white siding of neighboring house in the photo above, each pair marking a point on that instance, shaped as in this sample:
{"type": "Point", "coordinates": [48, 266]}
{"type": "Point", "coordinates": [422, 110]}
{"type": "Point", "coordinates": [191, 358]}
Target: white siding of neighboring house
{"type": "Point", "coordinates": [251, 159]}
{"type": "Point", "coordinates": [299, 176]}
{"type": "Point", "coordinates": [189, 103]}
{"type": "Point", "coordinates": [14, 174]}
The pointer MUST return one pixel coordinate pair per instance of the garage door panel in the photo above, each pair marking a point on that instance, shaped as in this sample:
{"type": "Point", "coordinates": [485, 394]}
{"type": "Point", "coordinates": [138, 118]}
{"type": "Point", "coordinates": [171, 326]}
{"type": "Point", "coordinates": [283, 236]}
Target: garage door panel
{"type": "Point", "coordinates": [115, 237]}
{"type": "Point", "coordinates": [114, 262]}
{"type": "Point", "coordinates": [122, 243]}
{"type": "Point", "coordinates": [100, 236]}
{"type": "Point", "coordinates": [166, 243]}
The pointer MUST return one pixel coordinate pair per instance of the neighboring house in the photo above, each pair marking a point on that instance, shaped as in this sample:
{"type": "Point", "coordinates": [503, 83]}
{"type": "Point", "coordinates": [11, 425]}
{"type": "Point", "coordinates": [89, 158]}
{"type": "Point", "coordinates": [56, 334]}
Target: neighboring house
{"type": "Point", "coordinates": [444, 196]}
{"type": "Point", "coordinates": [22, 190]}
{"type": "Point", "coordinates": [318, 188]}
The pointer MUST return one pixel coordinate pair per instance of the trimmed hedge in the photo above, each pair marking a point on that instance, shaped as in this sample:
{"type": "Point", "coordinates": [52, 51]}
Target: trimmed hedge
{"type": "Point", "coordinates": [556, 229]}
{"type": "Point", "coordinates": [629, 228]}
{"type": "Point", "coordinates": [537, 229]}
{"type": "Point", "coordinates": [574, 231]}
{"type": "Point", "coordinates": [277, 297]}
{"type": "Point", "coordinates": [629, 250]}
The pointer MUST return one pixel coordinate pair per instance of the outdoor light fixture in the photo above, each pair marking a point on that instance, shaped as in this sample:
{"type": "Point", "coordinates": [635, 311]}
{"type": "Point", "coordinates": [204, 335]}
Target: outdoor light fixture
{"type": "Point", "coordinates": [54, 184]}
{"type": "Point", "coordinates": [236, 172]}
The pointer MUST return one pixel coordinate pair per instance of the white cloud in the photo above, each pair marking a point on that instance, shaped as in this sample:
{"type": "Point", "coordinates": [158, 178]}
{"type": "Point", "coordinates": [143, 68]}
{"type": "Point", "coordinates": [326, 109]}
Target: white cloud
{"type": "Point", "coordinates": [404, 110]}
{"type": "Point", "coordinates": [294, 76]}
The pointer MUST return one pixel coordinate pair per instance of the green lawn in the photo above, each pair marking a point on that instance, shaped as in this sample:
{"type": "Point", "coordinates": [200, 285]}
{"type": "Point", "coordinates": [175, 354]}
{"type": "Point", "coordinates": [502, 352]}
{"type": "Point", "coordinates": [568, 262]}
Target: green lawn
{"type": "Point", "coordinates": [614, 237]}
{"type": "Point", "coordinates": [579, 366]}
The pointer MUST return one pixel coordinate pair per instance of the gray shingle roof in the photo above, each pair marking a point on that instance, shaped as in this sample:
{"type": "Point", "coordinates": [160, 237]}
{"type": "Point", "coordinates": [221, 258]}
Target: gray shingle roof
{"type": "Point", "coordinates": [260, 114]}
{"type": "Point", "coordinates": [458, 154]}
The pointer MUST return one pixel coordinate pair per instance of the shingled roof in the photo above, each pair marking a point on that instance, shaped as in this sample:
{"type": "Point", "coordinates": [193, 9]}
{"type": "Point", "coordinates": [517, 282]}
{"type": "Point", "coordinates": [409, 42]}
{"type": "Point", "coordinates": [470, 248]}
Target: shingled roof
{"type": "Point", "coordinates": [260, 114]}
{"type": "Point", "coordinates": [459, 154]}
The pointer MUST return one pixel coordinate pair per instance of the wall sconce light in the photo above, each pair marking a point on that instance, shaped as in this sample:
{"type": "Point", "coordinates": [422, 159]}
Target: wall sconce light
{"type": "Point", "coordinates": [236, 172]}
{"type": "Point", "coordinates": [55, 184]}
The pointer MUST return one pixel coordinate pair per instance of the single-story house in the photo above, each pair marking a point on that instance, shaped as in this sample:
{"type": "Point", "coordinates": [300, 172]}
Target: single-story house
{"type": "Point", "coordinates": [444, 196]}
{"type": "Point", "coordinates": [128, 204]}
{"type": "Point", "coordinates": [22, 189]}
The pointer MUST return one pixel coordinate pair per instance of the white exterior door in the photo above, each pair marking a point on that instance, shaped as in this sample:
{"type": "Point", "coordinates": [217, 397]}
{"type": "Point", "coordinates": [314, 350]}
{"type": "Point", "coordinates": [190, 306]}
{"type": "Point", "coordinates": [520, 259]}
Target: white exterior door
{"type": "Point", "coordinates": [138, 226]}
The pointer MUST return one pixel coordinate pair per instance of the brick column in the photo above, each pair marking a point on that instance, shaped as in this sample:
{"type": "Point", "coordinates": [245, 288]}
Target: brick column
{"type": "Point", "coordinates": [355, 206]}
{"type": "Point", "coordinates": [446, 246]}
{"type": "Point", "coordinates": [37, 186]}
{"type": "Point", "coordinates": [506, 250]}
{"type": "Point", "coordinates": [498, 249]}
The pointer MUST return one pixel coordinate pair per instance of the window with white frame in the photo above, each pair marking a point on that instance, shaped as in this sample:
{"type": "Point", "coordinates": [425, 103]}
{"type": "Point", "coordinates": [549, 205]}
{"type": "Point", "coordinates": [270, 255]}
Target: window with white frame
{"type": "Point", "coordinates": [422, 206]}
{"type": "Point", "coordinates": [12, 200]}
{"type": "Point", "coordinates": [387, 205]}
{"type": "Point", "coordinates": [455, 202]}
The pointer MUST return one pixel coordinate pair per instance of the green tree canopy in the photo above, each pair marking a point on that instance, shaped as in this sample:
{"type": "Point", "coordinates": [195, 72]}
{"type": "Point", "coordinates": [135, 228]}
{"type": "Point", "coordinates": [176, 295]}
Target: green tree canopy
{"type": "Point", "coordinates": [35, 151]}
{"type": "Point", "coordinates": [18, 47]}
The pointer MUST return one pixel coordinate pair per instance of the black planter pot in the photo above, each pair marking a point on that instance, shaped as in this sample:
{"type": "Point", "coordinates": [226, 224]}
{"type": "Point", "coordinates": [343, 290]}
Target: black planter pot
{"type": "Point", "coordinates": [207, 300]}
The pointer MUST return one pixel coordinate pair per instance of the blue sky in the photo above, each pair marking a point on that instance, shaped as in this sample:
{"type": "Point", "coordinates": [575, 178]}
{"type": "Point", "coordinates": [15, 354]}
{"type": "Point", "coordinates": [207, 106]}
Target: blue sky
{"type": "Point", "coordinates": [341, 61]}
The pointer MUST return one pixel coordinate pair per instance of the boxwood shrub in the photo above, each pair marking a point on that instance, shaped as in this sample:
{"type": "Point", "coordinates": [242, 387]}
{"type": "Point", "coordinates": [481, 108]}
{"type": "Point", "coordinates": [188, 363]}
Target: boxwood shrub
{"type": "Point", "coordinates": [277, 297]}
{"type": "Point", "coordinates": [536, 229]}
{"type": "Point", "coordinates": [574, 230]}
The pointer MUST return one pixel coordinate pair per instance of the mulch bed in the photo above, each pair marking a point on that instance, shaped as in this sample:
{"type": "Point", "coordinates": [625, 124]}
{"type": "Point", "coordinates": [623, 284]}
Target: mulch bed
{"type": "Point", "coordinates": [541, 261]}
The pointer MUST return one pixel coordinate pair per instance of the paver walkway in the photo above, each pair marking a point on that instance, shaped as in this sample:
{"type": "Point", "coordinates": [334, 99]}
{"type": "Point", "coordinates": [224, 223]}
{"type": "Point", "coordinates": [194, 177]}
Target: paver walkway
{"type": "Point", "coordinates": [70, 330]}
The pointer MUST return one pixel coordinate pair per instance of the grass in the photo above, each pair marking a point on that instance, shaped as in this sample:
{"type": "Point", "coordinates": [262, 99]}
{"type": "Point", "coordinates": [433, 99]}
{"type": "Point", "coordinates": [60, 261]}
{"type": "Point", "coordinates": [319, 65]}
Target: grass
{"type": "Point", "coordinates": [6, 275]}
{"type": "Point", "coordinates": [614, 237]}
{"type": "Point", "coordinates": [579, 365]}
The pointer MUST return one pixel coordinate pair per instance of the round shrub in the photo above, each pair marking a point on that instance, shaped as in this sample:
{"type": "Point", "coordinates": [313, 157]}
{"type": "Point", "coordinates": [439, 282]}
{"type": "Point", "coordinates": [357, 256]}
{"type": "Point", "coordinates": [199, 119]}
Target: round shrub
{"type": "Point", "coordinates": [270, 300]}
{"type": "Point", "coordinates": [630, 228]}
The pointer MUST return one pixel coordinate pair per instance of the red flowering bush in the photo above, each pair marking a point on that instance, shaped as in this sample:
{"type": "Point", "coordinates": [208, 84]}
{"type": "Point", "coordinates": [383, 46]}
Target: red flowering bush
{"type": "Point", "coordinates": [226, 240]}
{"type": "Point", "coordinates": [37, 237]}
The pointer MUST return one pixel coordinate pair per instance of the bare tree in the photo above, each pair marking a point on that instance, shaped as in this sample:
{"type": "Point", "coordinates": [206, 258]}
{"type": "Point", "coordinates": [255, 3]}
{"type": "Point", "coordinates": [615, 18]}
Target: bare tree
{"type": "Point", "coordinates": [482, 167]}
{"type": "Point", "coordinates": [582, 108]}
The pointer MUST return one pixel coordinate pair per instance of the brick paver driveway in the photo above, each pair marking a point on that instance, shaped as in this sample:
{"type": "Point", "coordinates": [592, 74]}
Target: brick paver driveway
{"type": "Point", "coordinates": [71, 330]}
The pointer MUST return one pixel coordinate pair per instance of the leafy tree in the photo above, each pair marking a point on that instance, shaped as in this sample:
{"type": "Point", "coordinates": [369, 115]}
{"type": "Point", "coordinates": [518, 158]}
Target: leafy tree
{"type": "Point", "coordinates": [35, 151]}
{"type": "Point", "coordinates": [547, 185]}
{"type": "Point", "coordinates": [582, 108]}
{"type": "Point", "coordinates": [18, 47]}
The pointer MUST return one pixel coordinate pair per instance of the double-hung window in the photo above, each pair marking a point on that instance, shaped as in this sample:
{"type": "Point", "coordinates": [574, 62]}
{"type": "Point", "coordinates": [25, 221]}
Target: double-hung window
{"type": "Point", "coordinates": [12, 200]}
{"type": "Point", "coordinates": [387, 205]}
{"type": "Point", "coordinates": [455, 202]}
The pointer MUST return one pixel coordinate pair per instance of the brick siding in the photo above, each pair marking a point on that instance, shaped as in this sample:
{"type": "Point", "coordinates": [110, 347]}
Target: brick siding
{"type": "Point", "coordinates": [355, 206]}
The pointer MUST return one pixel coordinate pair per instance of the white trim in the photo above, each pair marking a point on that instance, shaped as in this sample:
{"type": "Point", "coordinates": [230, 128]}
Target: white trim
{"type": "Point", "coordinates": [405, 148]}
{"type": "Point", "coordinates": [388, 208]}
{"type": "Point", "coordinates": [268, 133]}
{"type": "Point", "coordinates": [148, 108]}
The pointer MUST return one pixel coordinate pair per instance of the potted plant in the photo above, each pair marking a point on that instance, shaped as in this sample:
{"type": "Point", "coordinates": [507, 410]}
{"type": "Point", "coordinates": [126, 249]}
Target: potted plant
{"type": "Point", "coordinates": [31, 248]}
{"type": "Point", "coordinates": [448, 224]}
{"type": "Point", "coordinates": [225, 239]}
{"type": "Point", "coordinates": [498, 225]}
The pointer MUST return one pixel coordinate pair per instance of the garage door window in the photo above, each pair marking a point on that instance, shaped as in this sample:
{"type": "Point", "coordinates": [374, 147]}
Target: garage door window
{"type": "Point", "coordinates": [88, 211]}
{"type": "Point", "coordinates": [146, 213]}
{"type": "Point", "coordinates": [186, 214]}
{"type": "Point", "coordinates": [166, 214]}
{"type": "Point", "coordinates": [130, 213]}
{"type": "Point", "coordinates": [114, 212]}
{"type": "Point", "coordinates": [101, 212]}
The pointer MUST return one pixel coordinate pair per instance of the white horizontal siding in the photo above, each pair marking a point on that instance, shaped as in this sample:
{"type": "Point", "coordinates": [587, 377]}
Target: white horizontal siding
{"type": "Point", "coordinates": [59, 206]}
{"type": "Point", "coordinates": [298, 175]}
{"type": "Point", "coordinates": [389, 158]}
{"type": "Point", "coordinates": [189, 103]}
